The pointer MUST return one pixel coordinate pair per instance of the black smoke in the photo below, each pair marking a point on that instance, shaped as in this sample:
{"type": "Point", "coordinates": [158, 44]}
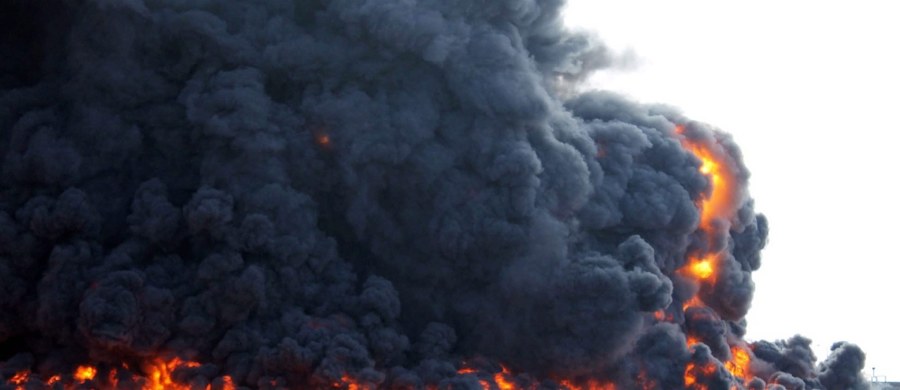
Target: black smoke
{"type": "Point", "coordinates": [296, 192]}
{"type": "Point", "coordinates": [792, 363]}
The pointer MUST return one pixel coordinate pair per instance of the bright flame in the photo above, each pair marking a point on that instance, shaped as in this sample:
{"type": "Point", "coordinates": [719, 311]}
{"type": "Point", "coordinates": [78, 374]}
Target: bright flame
{"type": "Point", "coordinates": [701, 268]}
{"type": "Point", "coordinates": [690, 377]}
{"type": "Point", "coordinates": [502, 380]}
{"type": "Point", "coordinates": [739, 365]}
{"type": "Point", "coordinates": [157, 375]}
{"type": "Point", "coordinates": [692, 371]}
{"type": "Point", "coordinates": [85, 373]}
{"type": "Point", "coordinates": [720, 202]}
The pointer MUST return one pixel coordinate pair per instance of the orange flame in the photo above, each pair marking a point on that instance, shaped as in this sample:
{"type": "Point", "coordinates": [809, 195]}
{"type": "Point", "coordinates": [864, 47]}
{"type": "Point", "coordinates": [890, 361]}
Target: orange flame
{"type": "Point", "coordinates": [701, 268]}
{"type": "Point", "coordinates": [590, 385]}
{"type": "Point", "coordinates": [20, 377]}
{"type": "Point", "coordinates": [499, 380]}
{"type": "Point", "coordinates": [645, 382]}
{"type": "Point", "coordinates": [692, 341]}
{"type": "Point", "coordinates": [693, 302]}
{"type": "Point", "coordinates": [227, 383]}
{"type": "Point", "coordinates": [113, 378]}
{"type": "Point", "coordinates": [719, 203]}
{"type": "Point", "coordinates": [349, 383]}
{"type": "Point", "coordinates": [659, 315]}
{"type": "Point", "coordinates": [157, 376]}
{"type": "Point", "coordinates": [85, 373]}
{"type": "Point", "coordinates": [692, 371]}
{"type": "Point", "coordinates": [502, 380]}
{"type": "Point", "coordinates": [739, 365]}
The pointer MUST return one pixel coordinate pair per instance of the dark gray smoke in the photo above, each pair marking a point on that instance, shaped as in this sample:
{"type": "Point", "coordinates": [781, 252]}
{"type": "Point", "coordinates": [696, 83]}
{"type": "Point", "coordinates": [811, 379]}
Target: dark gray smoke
{"type": "Point", "coordinates": [298, 192]}
{"type": "Point", "coordinates": [792, 363]}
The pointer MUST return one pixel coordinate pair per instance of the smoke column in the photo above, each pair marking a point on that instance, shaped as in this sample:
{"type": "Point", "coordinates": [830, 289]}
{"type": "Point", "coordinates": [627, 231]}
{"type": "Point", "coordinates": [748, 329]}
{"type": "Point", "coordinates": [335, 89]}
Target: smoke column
{"type": "Point", "coordinates": [362, 194]}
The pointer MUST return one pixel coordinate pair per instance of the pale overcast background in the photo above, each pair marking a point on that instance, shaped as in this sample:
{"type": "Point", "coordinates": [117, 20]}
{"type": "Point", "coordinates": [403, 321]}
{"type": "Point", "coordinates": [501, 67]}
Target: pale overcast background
{"type": "Point", "coordinates": [810, 92]}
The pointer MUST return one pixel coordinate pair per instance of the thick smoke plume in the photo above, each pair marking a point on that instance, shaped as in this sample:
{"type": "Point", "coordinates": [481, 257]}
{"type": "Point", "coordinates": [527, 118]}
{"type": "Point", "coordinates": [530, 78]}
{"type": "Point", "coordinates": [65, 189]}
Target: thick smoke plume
{"type": "Point", "coordinates": [361, 194]}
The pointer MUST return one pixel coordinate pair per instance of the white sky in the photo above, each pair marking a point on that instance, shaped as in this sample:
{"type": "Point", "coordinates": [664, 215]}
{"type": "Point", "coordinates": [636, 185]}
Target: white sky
{"type": "Point", "coordinates": [810, 92]}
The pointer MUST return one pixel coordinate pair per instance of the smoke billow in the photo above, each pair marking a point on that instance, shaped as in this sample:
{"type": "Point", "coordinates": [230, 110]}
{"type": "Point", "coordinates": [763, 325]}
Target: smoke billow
{"type": "Point", "coordinates": [371, 193]}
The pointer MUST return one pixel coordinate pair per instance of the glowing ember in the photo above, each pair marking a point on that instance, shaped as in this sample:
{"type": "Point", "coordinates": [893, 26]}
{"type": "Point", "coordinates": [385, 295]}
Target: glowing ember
{"type": "Point", "coordinates": [323, 140]}
{"type": "Point", "coordinates": [691, 341]}
{"type": "Point", "coordinates": [228, 384]}
{"type": "Point", "coordinates": [693, 302]}
{"type": "Point", "coordinates": [113, 378]}
{"type": "Point", "coordinates": [348, 383]}
{"type": "Point", "coordinates": [591, 385]}
{"type": "Point", "coordinates": [504, 380]}
{"type": "Point", "coordinates": [501, 380]}
{"type": "Point", "coordinates": [20, 377]}
{"type": "Point", "coordinates": [645, 382]}
{"type": "Point", "coordinates": [659, 315]}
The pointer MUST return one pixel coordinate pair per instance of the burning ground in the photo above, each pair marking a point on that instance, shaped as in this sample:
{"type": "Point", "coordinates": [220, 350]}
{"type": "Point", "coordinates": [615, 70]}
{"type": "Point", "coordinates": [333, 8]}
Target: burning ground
{"type": "Point", "coordinates": [361, 194]}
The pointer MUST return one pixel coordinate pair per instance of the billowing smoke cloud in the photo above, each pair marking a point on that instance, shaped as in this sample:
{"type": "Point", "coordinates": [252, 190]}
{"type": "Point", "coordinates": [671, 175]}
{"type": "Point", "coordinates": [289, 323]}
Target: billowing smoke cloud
{"type": "Point", "coordinates": [307, 193]}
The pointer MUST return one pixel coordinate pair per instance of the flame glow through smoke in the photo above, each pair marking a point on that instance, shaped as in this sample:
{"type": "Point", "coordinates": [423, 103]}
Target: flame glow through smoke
{"type": "Point", "coordinates": [717, 204]}
{"type": "Point", "coordinates": [359, 195]}
{"type": "Point", "coordinates": [721, 202]}
{"type": "Point", "coordinates": [717, 208]}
